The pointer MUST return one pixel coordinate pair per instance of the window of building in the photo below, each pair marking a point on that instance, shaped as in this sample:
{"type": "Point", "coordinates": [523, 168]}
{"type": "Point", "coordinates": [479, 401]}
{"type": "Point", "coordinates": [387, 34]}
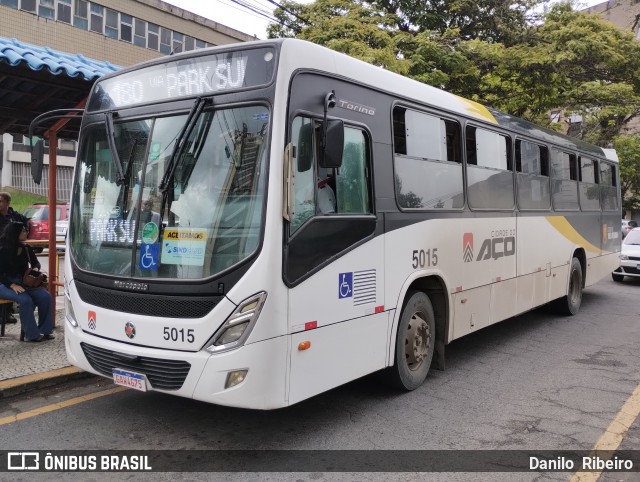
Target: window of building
{"type": "Point", "coordinates": [140, 32]}
{"type": "Point", "coordinates": [189, 44]}
{"type": "Point", "coordinates": [64, 11]}
{"type": "Point", "coordinates": [47, 9]}
{"type": "Point", "coordinates": [564, 177]}
{"type": "Point", "coordinates": [28, 5]}
{"type": "Point", "coordinates": [81, 14]}
{"type": "Point", "coordinates": [178, 42]}
{"type": "Point", "coordinates": [165, 40]}
{"type": "Point", "coordinates": [152, 36]}
{"type": "Point", "coordinates": [67, 145]}
{"type": "Point", "coordinates": [111, 24]}
{"type": "Point", "coordinates": [427, 161]}
{"type": "Point", "coordinates": [97, 18]}
{"type": "Point", "coordinates": [200, 44]}
{"type": "Point", "coordinates": [489, 164]}
{"type": "Point", "coordinates": [9, 3]}
{"type": "Point", "coordinates": [126, 27]}
{"type": "Point", "coordinates": [532, 178]}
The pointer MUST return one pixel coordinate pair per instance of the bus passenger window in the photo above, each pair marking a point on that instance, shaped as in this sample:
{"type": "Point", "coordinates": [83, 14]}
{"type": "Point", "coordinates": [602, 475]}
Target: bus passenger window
{"type": "Point", "coordinates": [588, 185]}
{"type": "Point", "coordinates": [532, 164]}
{"type": "Point", "coordinates": [489, 176]}
{"type": "Point", "coordinates": [608, 187]}
{"type": "Point", "coordinates": [564, 186]}
{"type": "Point", "coordinates": [428, 171]}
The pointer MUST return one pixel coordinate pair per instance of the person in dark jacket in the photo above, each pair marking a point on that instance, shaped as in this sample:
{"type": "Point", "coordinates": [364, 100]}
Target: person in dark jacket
{"type": "Point", "coordinates": [15, 258]}
{"type": "Point", "coordinates": [9, 215]}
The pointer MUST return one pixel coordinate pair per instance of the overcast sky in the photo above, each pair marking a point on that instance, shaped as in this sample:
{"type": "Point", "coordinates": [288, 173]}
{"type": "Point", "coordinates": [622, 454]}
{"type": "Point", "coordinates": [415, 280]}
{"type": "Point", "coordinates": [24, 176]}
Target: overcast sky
{"type": "Point", "coordinates": [233, 15]}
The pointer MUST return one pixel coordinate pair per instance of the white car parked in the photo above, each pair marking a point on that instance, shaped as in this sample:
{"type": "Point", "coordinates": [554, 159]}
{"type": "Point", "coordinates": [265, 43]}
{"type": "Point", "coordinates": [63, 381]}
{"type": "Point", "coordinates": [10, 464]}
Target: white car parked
{"type": "Point", "coordinates": [61, 234]}
{"type": "Point", "coordinates": [629, 256]}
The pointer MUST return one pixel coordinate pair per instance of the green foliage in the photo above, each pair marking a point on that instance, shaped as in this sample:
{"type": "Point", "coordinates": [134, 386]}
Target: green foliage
{"type": "Point", "coordinates": [495, 52]}
{"type": "Point", "coordinates": [628, 149]}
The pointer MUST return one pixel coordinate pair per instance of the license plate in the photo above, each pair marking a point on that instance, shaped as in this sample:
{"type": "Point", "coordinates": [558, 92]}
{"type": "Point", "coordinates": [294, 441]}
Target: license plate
{"type": "Point", "coordinates": [137, 381]}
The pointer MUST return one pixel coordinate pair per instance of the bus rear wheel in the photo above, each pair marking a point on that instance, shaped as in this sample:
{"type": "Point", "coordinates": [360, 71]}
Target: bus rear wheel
{"type": "Point", "coordinates": [570, 304]}
{"type": "Point", "coordinates": [415, 343]}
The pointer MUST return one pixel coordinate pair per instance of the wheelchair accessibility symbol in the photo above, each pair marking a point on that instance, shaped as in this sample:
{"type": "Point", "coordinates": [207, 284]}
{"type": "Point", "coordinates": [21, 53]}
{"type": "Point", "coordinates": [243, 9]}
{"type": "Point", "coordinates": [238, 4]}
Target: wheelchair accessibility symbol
{"type": "Point", "coordinates": [149, 257]}
{"type": "Point", "coordinates": [345, 285]}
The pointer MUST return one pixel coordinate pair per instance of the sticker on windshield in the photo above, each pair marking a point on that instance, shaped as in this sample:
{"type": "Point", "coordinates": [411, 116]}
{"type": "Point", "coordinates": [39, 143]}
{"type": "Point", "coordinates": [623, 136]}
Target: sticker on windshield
{"type": "Point", "coordinates": [148, 257]}
{"type": "Point", "coordinates": [154, 151]}
{"type": "Point", "coordinates": [183, 246]}
{"type": "Point", "coordinates": [150, 233]}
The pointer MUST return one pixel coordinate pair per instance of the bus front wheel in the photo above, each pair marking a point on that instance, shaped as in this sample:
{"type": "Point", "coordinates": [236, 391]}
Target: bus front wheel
{"type": "Point", "coordinates": [415, 343]}
{"type": "Point", "coordinates": [570, 304]}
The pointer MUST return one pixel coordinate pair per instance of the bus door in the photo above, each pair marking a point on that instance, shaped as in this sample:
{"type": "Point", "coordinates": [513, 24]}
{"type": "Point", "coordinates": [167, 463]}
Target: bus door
{"type": "Point", "coordinates": [333, 262]}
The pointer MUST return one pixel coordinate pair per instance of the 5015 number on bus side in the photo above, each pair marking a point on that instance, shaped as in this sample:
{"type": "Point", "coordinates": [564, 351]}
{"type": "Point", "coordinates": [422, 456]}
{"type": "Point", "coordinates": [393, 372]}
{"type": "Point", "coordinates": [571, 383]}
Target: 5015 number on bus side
{"type": "Point", "coordinates": [424, 258]}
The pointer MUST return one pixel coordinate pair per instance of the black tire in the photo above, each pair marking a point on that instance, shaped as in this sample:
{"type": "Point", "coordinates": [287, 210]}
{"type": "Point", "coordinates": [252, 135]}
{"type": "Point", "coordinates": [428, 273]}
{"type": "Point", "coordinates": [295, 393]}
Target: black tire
{"type": "Point", "coordinates": [415, 343]}
{"type": "Point", "coordinates": [570, 304]}
{"type": "Point", "coordinates": [618, 278]}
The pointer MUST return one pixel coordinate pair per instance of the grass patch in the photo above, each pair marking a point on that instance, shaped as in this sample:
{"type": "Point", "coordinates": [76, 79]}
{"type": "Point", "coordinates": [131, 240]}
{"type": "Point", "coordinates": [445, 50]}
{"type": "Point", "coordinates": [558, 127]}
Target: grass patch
{"type": "Point", "coordinates": [21, 199]}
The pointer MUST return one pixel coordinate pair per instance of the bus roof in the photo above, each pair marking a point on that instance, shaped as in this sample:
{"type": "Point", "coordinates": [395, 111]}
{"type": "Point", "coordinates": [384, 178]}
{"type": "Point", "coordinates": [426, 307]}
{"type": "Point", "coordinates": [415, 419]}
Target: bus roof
{"type": "Point", "coordinates": [298, 54]}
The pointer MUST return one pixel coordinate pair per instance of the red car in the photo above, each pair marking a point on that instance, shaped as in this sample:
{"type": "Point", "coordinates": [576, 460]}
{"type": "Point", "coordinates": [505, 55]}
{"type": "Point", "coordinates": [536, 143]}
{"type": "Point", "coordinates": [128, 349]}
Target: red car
{"type": "Point", "coordinates": [38, 216]}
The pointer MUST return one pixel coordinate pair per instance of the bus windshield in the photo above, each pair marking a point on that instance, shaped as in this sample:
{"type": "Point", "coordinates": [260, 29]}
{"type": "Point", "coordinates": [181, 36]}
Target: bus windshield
{"type": "Point", "coordinates": [187, 218]}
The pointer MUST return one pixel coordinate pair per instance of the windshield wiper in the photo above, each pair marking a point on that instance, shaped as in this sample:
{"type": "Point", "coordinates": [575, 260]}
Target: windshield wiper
{"type": "Point", "coordinates": [181, 142]}
{"type": "Point", "coordinates": [120, 178]}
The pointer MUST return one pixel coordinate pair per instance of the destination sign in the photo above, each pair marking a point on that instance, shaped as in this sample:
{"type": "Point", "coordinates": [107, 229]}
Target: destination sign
{"type": "Point", "coordinates": [186, 77]}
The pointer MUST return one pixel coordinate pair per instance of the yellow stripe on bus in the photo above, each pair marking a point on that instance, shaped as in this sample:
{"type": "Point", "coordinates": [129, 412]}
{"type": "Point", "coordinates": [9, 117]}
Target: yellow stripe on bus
{"type": "Point", "coordinates": [477, 110]}
{"type": "Point", "coordinates": [564, 227]}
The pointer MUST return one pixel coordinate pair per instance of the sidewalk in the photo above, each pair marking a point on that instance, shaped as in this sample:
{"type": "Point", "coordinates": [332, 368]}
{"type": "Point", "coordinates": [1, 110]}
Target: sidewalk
{"type": "Point", "coordinates": [24, 366]}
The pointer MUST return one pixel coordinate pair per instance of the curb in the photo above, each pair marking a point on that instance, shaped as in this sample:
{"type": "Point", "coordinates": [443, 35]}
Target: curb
{"type": "Point", "coordinates": [16, 386]}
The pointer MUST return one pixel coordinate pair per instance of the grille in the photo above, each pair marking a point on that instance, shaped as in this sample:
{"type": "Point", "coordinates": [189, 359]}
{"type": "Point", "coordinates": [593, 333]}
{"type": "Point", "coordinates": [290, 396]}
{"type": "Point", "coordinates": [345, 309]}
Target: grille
{"type": "Point", "coordinates": [634, 258]}
{"type": "Point", "coordinates": [626, 269]}
{"type": "Point", "coordinates": [162, 374]}
{"type": "Point", "coordinates": [147, 304]}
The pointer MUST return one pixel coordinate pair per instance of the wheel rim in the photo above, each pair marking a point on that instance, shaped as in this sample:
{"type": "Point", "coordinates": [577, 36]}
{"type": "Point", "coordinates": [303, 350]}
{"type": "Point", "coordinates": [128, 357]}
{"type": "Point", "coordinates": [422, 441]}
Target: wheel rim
{"type": "Point", "coordinates": [417, 340]}
{"type": "Point", "coordinates": [575, 292]}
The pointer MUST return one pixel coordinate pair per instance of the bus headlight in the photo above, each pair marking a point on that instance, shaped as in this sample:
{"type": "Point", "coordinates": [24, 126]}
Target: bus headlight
{"type": "Point", "coordinates": [68, 310]}
{"type": "Point", "coordinates": [237, 327]}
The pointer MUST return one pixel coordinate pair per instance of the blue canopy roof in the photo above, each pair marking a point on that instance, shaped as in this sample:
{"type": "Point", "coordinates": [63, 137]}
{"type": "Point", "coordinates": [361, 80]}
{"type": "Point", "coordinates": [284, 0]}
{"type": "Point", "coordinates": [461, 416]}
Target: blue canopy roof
{"type": "Point", "coordinates": [14, 52]}
{"type": "Point", "coordinates": [35, 79]}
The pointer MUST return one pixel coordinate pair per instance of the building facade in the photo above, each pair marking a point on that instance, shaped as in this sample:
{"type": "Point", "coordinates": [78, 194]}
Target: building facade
{"type": "Point", "coordinates": [121, 32]}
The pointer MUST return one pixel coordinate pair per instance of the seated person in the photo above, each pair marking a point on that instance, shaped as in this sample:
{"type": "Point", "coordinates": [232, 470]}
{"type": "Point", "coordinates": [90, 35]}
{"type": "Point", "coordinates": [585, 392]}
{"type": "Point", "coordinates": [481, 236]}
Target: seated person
{"type": "Point", "coordinates": [16, 257]}
{"type": "Point", "coordinates": [326, 194]}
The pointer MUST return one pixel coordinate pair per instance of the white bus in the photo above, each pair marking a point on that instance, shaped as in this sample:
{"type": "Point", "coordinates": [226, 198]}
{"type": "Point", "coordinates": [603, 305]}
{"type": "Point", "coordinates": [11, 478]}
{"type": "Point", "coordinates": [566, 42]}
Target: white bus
{"type": "Point", "coordinates": [252, 225]}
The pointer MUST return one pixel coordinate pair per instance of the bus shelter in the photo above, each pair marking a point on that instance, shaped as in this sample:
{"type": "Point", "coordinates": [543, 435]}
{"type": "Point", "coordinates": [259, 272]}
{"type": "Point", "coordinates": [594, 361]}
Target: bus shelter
{"type": "Point", "coordinates": [35, 80]}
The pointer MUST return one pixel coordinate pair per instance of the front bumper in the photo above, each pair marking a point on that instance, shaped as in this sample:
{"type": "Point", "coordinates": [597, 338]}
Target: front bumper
{"type": "Point", "coordinates": [628, 268]}
{"type": "Point", "coordinates": [206, 374]}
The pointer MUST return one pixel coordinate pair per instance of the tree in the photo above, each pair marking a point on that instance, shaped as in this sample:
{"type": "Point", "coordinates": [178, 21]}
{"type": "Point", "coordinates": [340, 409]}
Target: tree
{"type": "Point", "coordinates": [491, 20]}
{"type": "Point", "coordinates": [574, 61]}
{"type": "Point", "coordinates": [488, 51]}
{"type": "Point", "coordinates": [628, 149]}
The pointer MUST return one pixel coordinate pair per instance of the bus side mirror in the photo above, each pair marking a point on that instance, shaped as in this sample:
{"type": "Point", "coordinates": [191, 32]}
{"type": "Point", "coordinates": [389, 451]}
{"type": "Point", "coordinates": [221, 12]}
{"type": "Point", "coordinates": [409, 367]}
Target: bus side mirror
{"type": "Point", "coordinates": [37, 161]}
{"type": "Point", "coordinates": [331, 157]}
{"type": "Point", "coordinates": [304, 154]}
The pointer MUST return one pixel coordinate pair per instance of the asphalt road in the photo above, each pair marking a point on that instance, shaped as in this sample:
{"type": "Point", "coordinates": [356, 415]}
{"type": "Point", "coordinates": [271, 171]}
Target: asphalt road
{"type": "Point", "coordinates": [538, 381]}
